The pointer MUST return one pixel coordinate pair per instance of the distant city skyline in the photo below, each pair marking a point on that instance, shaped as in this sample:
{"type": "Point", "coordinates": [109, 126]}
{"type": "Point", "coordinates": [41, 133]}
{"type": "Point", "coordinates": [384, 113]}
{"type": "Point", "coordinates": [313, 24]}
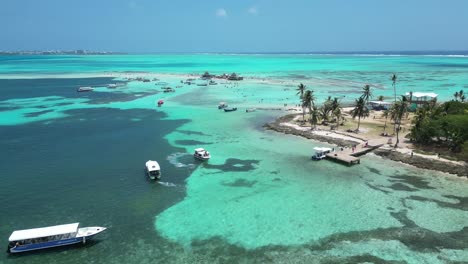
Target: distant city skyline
{"type": "Point", "coordinates": [243, 26]}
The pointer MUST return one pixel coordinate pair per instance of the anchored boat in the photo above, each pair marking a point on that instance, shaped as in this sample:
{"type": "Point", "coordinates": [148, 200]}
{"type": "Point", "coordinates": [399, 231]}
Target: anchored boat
{"type": "Point", "coordinates": [52, 236]}
{"type": "Point", "coordinates": [321, 153]}
{"type": "Point", "coordinates": [230, 109]}
{"type": "Point", "coordinates": [85, 89]}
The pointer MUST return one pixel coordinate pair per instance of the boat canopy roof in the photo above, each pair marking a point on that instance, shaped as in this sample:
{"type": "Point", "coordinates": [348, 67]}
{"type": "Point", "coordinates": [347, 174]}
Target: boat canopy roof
{"type": "Point", "coordinates": [200, 149]}
{"type": "Point", "coordinates": [419, 94]}
{"type": "Point", "coordinates": [43, 232]}
{"type": "Point", "coordinates": [380, 103]}
{"type": "Point", "coordinates": [322, 149]}
{"type": "Point", "coordinates": [152, 165]}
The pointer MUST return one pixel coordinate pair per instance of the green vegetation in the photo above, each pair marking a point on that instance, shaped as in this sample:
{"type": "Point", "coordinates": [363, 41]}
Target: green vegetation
{"type": "Point", "coordinates": [443, 125]}
{"type": "Point", "coordinates": [397, 112]}
{"type": "Point", "coordinates": [300, 91]}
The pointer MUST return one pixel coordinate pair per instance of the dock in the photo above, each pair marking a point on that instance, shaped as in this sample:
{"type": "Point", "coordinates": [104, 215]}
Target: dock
{"type": "Point", "coordinates": [350, 157]}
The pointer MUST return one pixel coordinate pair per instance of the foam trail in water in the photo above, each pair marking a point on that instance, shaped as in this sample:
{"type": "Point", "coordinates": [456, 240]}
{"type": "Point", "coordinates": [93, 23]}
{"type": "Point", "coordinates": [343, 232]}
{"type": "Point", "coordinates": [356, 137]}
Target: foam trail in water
{"type": "Point", "coordinates": [168, 184]}
{"type": "Point", "coordinates": [174, 160]}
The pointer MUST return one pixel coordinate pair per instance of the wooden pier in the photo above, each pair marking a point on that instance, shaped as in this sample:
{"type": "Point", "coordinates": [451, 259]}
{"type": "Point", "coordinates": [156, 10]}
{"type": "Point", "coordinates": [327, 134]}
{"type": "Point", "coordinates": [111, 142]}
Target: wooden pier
{"type": "Point", "coordinates": [350, 157]}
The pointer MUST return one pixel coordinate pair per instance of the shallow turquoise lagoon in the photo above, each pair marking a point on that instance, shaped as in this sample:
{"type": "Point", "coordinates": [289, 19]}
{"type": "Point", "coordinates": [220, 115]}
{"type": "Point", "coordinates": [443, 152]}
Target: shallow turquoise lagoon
{"type": "Point", "coordinates": [69, 156]}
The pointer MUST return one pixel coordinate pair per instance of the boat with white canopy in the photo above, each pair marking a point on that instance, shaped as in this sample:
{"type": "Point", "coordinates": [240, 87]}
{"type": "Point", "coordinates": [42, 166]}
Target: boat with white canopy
{"type": "Point", "coordinates": [52, 236]}
{"type": "Point", "coordinates": [321, 153]}
{"type": "Point", "coordinates": [153, 169]}
{"type": "Point", "coordinates": [201, 154]}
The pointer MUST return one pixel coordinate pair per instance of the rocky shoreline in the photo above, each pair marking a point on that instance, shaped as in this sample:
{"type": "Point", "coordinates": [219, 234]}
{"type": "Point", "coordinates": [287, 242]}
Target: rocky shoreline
{"type": "Point", "coordinates": [417, 161]}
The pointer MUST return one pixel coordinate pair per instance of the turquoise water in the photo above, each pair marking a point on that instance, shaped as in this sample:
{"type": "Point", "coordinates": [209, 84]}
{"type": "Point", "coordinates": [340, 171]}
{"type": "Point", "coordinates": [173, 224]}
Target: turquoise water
{"type": "Point", "coordinates": [71, 156]}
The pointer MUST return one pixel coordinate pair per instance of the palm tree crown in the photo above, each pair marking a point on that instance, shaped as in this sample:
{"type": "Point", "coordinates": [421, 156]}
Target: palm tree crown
{"type": "Point", "coordinates": [366, 92]}
{"type": "Point", "coordinates": [360, 110]}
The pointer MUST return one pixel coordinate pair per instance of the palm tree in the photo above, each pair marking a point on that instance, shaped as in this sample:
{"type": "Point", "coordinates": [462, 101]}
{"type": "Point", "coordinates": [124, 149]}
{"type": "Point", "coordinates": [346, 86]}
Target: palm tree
{"type": "Point", "coordinates": [314, 117]}
{"type": "Point", "coordinates": [456, 95]}
{"type": "Point", "coordinates": [394, 80]}
{"type": "Point", "coordinates": [300, 91]}
{"type": "Point", "coordinates": [380, 98]}
{"type": "Point", "coordinates": [397, 112]}
{"type": "Point", "coordinates": [360, 110]}
{"type": "Point", "coordinates": [308, 100]}
{"type": "Point", "coordinates": [385, 114]}
{"type": "Point", "coordinates": [461, 95]}
{"type": "Point", "coordinates": [338, 116]}
{"type": "Point", "coordinates": [366, 93]}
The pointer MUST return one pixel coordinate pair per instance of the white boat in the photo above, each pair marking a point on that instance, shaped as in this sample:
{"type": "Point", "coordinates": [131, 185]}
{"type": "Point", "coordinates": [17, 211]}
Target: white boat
{"type": "Point", "coordinates": [321, 153]}
{"type": "Point", "coordinates": [222, 105]}
{"type": "Point", "coordinates": [52, 236]}
{"type": "Point", "coordinates": [201, 154]}
{"type": "Point", "coordinates": [250, 110]}
{"type": "Point", "coordinates": [112, 85]}
{"type": "Point", "coordinates": [153, 169]}
{"type": "Point", "coordinates": [85, 89]}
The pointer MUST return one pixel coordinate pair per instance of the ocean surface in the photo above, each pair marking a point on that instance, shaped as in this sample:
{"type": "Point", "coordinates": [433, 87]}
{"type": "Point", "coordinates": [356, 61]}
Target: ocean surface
{"type": "Point", "coordinates": [79, 157]}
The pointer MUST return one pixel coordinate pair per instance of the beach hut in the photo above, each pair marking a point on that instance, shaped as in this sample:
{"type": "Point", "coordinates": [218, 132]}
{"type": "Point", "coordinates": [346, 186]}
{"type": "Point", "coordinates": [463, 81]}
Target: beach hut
{"type": "Point", "coordinates": [418, 99]}
{"type": "Point", "coordinates": [235, 77]}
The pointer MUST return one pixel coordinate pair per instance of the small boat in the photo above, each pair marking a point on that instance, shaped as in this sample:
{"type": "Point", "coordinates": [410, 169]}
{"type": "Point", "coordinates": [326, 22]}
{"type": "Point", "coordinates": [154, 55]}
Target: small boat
{"type": "Point", "coordinates": [52, 236]}
{"type": "Point", "coordinates": [250, 110]}
{"type": "Point", "coordinates": [85, 89]}
{"type": "Point", "coordinates": [212, 83]}
{"type": "Point", "coordinates": [201, 154]}
{"type": "Point", "coordinates": [112, 85]}
{"type": "Point", "coordinates": [146, 80]}
{"type": "Point", "coordinates": [202, 84]}
{"type": "Point", "coordinates": [160, 102]}
{"type": "Point", "coordinates": [168, 90]}
{"type": "Point", "coordinates": [153, 169]}
{"type": "Point", "coordinates": [222, 105]}
{"type": "Point", "coordinates": [321, 153]}
{"type": "Point", "coordinates": [230, 109]}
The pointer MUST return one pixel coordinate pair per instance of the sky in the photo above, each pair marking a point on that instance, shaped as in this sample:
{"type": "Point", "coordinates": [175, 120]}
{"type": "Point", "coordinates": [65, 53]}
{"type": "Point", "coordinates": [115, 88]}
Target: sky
{"type": "Point", "coordinates": [234, 25]}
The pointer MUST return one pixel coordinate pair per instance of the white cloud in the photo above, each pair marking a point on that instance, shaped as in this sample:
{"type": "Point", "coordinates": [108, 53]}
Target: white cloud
{"type": "Point", "coordinates": [221, 12]}
{"type": "Point", "coordinates": [252, 10]}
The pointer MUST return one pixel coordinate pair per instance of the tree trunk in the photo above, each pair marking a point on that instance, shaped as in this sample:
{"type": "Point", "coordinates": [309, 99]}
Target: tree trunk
{"type": "Point", "coordinates": [358, 123]}
{"type": "Point", "coordinates": [397, 135]}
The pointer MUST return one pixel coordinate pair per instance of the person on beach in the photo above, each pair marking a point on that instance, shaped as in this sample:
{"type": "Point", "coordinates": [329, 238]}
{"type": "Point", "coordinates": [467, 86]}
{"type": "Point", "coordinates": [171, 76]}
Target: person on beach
{"type": "Point", "coordinates": [412, 153]}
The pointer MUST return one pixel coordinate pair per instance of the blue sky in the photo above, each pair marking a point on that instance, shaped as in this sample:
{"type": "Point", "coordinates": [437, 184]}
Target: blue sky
{"type": "Point", "coordinates": [234, 25]}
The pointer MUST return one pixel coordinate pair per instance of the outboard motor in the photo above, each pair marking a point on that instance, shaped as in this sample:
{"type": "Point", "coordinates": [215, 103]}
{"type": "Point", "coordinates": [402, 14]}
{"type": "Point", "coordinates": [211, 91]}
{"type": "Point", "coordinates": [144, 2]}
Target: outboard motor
{"type": "Point", "coordinates": [10, 246]}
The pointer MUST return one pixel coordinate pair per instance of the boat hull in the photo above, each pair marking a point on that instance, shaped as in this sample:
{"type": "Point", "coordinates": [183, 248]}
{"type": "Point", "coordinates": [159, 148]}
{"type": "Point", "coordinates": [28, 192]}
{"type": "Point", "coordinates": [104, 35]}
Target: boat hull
{"type": "Point", "coordinates": [50, 244]}
{"type": "Point", "coordinates": [201, 157]}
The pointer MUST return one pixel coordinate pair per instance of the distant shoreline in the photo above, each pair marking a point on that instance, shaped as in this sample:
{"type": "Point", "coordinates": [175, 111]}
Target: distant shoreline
{"type": "Point", "coordinates": [429, 53]}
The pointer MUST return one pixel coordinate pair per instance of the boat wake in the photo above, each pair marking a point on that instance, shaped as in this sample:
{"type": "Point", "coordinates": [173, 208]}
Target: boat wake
{"type": "Point", "coordinates": [181, 160]}
{"type": "Point", "coordinates": [167, 184]}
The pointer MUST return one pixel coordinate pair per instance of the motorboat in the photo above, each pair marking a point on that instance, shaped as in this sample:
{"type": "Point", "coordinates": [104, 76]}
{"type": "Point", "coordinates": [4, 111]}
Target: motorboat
{"type": "Point", "coordinates": [250, 110]}
{"type": "Point", "coordinates": [52, 236]}
{"type": "Point", "coordinates": [212, 82]}
{"type": "Point", "coordinates": [112, 85]}
{"type": "Point", "coordinates": [201, 154]}
{"type": "Point", "coordinates": [321, 153]}
{"type": "Point", "coordinates": [202, 84]}
{"type": "Point", "coordinates": [153, 170]}
{"type": "Point", "coordinates": [85, 89]}
{"type": "Point", "coordinates": [230, 109]}
{"type": "Point", "coordinates": [168, 90]}
{"type": "Point", "coordinates": [222, 105]}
